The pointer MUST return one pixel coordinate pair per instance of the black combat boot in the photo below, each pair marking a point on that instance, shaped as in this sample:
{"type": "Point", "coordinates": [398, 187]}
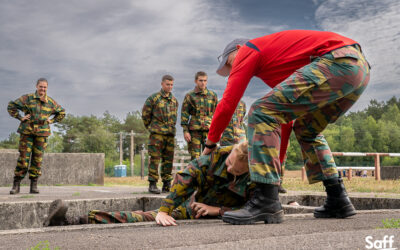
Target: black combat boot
{"type": "Point", "coordinates": [337, 203]}
{"type": "Point", "coordinates": [166, 186]}
{"type": "Point", "coordinates": [153, 188]}
{"type": "Point", "coordinates": [56, 216]}
{"type": "Point", "coordinates": [264, 205]}
{"type": "Point", "coordinates": [16, 185]}
{"type": "Point", "coordinates": [34, 188]}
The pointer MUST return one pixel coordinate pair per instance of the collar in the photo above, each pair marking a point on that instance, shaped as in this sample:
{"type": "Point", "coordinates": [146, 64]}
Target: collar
{"type": "Point", "coordinates": [199, 91]}
{"type": "Point", "coordinates": [165, 94]}
{"type": "Point", "coordinates": [221, 171]}
{"type": "Point", "coordinates": [36, 96]}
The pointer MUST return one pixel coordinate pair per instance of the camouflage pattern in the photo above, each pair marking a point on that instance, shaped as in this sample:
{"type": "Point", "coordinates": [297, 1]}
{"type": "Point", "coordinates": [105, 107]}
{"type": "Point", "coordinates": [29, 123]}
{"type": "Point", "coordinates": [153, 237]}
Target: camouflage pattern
{"type": "Point", "coordinates": [161, 147]}
{"type": "Point", "coordinates": [196, 145]}
{"type": "Point", "coordinates": [39, 110]}
{"type": "Point", "coordinates": [30, 145]}
{"type": "Point", "coordinates": [315, 95]}
{"type": "Point", "coordinates": [197, 110]}
{"type": "Point", "coordinates": [159, 117]}
{"type": "Point", "coordinates": [102, 217]}
{"type": "Point", "coordinates": [204, 180]}
{"type": "Point", "coordinates": [207, 181]}
{"type": "Point", "coordinates": [235, 132]}
{"type": "Point", "coordinates": [159, 113]}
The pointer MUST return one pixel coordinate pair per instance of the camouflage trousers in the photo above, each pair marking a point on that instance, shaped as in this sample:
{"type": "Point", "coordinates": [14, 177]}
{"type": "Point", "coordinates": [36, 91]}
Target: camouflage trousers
{"type": "Point", "coordinates": [182, 212]}
{"type": "Point", "coordinates": [30, 145]}
{"type": "Point", "coordinates": [196, 145]}
{"type": "Point", "coordinates": [314, 96]}
{"type": "Point", "coordinates": [232, 135]}
{"type": "Point", "coordinates": [161, 147]}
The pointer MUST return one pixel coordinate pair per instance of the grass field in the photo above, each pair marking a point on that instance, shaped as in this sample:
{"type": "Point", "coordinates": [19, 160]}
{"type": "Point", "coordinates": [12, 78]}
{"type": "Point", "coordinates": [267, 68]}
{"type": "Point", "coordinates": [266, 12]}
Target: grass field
{"type": "Point", "coordinates": [292, 181]}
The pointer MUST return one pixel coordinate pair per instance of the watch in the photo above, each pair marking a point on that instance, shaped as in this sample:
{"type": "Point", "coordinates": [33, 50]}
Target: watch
{"type": "Point", "coordinates": [210, 146]}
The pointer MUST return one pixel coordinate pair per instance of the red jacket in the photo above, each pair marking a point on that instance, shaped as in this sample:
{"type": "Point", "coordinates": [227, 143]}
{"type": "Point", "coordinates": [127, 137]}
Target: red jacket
{"type": "Point", "coordinates": [272, 58]}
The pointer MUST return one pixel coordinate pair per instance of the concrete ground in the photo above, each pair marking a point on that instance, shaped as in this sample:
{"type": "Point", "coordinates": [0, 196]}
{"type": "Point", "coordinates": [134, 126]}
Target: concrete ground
{"type": "Point", "coordinates": [296, 232]}
{"type": "Point", "coordinates": [299, 231]}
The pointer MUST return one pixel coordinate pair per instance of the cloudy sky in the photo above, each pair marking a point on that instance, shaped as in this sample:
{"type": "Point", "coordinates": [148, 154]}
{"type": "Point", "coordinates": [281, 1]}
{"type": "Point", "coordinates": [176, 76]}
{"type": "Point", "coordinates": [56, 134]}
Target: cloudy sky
{"type": "Point", "coordinates": [103, 55]}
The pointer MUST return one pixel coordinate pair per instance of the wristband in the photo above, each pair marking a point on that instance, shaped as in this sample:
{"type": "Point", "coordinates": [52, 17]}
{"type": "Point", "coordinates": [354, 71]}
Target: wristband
{"type": "Point", "coordinates": [210, 146]}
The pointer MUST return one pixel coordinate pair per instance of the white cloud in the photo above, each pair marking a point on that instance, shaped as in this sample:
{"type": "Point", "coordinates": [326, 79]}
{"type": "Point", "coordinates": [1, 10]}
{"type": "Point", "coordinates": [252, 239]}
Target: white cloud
{"type": "Point", "coordinates": [375, 24]}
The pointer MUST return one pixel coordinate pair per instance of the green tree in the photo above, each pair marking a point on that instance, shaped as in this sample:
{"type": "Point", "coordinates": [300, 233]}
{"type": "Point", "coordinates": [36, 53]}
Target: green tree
{"type": "Point", "coordinates": [11, 142]}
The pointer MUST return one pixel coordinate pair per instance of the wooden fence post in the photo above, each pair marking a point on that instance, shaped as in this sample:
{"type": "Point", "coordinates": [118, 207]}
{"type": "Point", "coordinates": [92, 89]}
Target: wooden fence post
{"type": "Point", "coordinates": [350, 174]}
{"type": "Point", "coordinates": [377, 168]}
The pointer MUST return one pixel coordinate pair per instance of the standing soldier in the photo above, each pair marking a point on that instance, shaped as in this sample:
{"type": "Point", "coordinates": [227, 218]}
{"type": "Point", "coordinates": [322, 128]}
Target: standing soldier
{"type": "Point", "coordinates": [34, 130]}
{"type": "Point", "coordinates": [159, 117]}
{"type": "Point", "coordinates": [235, 132]}
{"type": "Point", "coordinates": [316, 77]}
{"type": "Point", "coordinates": [197, 110]}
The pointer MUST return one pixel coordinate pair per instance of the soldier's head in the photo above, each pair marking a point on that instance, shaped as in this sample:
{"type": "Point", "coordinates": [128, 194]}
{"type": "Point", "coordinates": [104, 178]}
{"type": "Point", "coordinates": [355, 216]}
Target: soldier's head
{"type": "Point", "coordinates": [41, 86]}
{"type": "Point", "coordinates": [227, 57]}
{"type": "Point", "coordinates": [237, 161]}
{"type": "Point", "coordinates": [167, 82]}
{"type": "Point", "coordinates": [201, 80]}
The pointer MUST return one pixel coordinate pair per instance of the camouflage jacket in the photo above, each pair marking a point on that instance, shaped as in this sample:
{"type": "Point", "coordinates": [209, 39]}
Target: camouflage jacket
{"type": "Point", "coordinates": [235, 132]}
{"type": "Point", "coordinates": [208, 177]}
{"type": "Point", "coordinates": [40, 111]}
{"type": "Point", "coordinates": [159, 113]}
{"type": "Point", "coordinates": [197, 109]}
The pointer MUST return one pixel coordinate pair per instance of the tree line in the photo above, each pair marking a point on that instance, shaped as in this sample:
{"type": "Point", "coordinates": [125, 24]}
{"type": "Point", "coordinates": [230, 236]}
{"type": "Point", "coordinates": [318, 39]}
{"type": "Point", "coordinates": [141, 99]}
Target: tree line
{"type": "Point", "coordinates": [374, 129]}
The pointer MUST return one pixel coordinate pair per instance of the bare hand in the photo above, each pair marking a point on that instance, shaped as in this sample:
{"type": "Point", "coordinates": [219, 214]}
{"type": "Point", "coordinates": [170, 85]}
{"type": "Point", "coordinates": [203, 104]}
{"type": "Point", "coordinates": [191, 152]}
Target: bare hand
{"type": "Point", "coordinates": [187, 137]}
{"type": "Point", "coordinates": [165, 219]}
{"type": "Point", "coordinates": [49, 121]}
{"type": "Point", "coordinates": [27, 117]}
{"type": "Point", "coordinates": [201, 209]}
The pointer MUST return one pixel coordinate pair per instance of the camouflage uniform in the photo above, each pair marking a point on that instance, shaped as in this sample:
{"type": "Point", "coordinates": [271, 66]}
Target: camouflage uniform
{"type": "Point", "coordinates": [159, 117]}
{"type": "Point", "coordinates": [204, 180]}
{"type": "Point", "coordinates": [197, 110]}
{"type": "Point", "coordinates": [315, 95]}
{"type": "Point", "coordinates": [34, 132]}
{"type": "Point", "coordinates": [235, 132]}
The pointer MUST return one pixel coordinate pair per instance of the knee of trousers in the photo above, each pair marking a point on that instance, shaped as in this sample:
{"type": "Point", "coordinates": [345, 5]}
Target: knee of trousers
{"type": "Point", "coordinates": [257, 116]}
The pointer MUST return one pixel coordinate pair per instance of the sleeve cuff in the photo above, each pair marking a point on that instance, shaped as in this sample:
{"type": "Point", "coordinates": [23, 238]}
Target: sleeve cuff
{"type": "Point", "coordinates": [164, 209]}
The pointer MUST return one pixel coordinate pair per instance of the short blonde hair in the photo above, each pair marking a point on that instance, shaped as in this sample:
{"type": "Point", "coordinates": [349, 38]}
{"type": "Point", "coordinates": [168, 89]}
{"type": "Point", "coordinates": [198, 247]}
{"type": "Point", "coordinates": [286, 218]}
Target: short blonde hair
{"type": "Point", "coordinates": [242, 152]}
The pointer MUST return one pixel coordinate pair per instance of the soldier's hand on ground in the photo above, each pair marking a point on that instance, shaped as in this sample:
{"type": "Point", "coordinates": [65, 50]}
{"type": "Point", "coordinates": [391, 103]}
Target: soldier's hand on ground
{"type": "Point", "coordinates": [165, 219]}
{"type": "Point", "coordinates": [201, 209]}
{"type": "Point", "coordinates": [187, 136]}
{"type": "Point", "coordinates": [27, 117]}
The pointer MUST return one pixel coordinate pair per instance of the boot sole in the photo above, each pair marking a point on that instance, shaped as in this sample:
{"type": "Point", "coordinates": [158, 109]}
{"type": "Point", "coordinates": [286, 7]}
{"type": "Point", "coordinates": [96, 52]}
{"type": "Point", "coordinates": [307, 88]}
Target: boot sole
{"type": "Point", "coordinates": [342, 213]}
{"type": "Point", "coordinates": [155, 192]}
{"type": "Point", "coordinates": [268, 218]}
{"type": "Point", "coordinates": [59, 212]}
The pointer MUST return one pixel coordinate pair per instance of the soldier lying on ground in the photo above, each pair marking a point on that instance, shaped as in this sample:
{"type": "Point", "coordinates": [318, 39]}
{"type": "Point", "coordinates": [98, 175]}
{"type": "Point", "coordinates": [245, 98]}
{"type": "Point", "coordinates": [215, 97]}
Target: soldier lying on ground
{"type": "Point", "coordinates": [207, 187]}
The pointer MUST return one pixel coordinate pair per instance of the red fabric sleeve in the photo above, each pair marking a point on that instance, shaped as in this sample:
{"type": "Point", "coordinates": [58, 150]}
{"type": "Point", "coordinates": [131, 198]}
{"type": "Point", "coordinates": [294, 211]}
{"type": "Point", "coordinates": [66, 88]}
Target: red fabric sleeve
{"type": "Point", "coordinates": [286, 130]}
{"type": "Point", "coordinates": [244, 68]}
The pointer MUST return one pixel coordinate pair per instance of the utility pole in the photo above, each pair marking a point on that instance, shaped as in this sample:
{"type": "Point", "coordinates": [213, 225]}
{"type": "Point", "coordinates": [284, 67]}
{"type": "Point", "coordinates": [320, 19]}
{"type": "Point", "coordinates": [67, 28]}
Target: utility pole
{"type": "Point", "coordinates": [132, 153]}
{"type": "Point", "coordinates": [120, 148]}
